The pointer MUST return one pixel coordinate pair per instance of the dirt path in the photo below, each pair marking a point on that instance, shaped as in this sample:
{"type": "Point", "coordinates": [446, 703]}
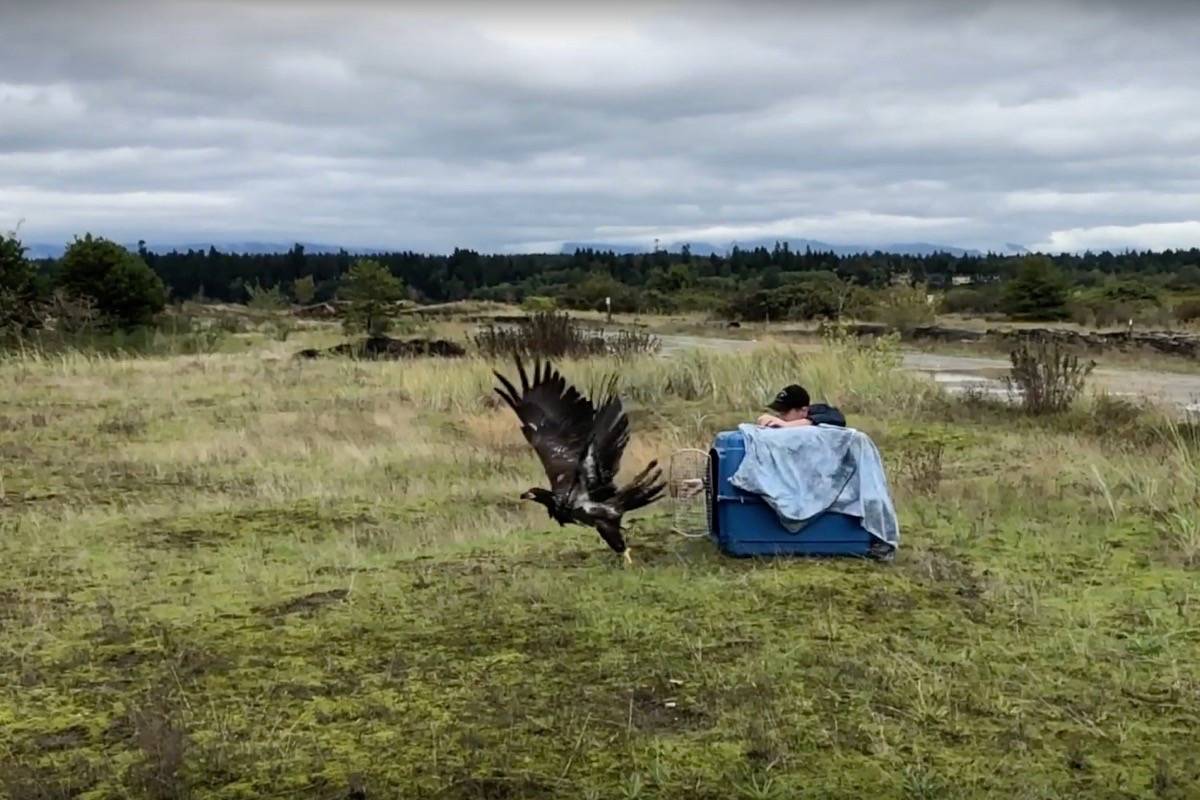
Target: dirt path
{"type": "Point", "coordinates": [957, 373]}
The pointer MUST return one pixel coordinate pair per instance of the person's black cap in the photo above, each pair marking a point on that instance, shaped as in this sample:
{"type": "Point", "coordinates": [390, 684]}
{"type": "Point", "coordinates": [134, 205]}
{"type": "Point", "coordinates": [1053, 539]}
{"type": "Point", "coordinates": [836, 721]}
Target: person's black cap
{"type": "Point", "coordinates": [788, 398]}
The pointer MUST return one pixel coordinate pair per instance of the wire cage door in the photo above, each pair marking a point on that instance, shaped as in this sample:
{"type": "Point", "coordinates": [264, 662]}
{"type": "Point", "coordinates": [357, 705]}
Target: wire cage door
{"type": "Point", "coordinates": [689, 487]}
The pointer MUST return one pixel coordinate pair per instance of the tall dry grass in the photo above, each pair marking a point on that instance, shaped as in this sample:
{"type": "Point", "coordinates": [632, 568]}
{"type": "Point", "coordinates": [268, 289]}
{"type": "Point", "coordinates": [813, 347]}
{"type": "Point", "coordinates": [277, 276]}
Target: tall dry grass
{"type": "Point", "coordinates": [155, 437]}
{"type": "Point", "coordinates": [857, 376]}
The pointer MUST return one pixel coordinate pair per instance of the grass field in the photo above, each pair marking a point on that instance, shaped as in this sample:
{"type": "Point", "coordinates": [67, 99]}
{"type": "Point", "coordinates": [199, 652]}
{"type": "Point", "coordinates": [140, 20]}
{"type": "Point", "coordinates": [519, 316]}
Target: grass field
{"type": "Point", "coordinates": [237, 575]}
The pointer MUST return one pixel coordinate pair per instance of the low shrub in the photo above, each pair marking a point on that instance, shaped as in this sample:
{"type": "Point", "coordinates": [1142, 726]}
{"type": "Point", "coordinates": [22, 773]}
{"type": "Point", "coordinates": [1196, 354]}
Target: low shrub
{"type": "Point", "coordinates": [1188, 311]}
{"type": "Point", "coordinates": [812, 298]}
{"type": "Point", "coordinates": [546, 334]}
{"type": "Point", "coordinates": [627, 344]}
{"type": "Point", "coordinates": [550, 334]}
{"type": "Point", "coordinates": [905, 308]}
{"type": "Point", "coordinates": [971, 300]}
{"type": "Point", "coordinates": [231, 323]}
{"type": "Point", "coordinates": [265, 299]}
{"type": "Point", "coordinates": [537, 303]}
{"type": "Point", "coordinates": [1048, 377]}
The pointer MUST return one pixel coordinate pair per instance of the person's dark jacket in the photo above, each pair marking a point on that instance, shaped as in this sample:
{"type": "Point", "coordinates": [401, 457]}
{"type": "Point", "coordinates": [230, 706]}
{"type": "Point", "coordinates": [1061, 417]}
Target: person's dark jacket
{"type": "Point", "coordinates": [821, 414]}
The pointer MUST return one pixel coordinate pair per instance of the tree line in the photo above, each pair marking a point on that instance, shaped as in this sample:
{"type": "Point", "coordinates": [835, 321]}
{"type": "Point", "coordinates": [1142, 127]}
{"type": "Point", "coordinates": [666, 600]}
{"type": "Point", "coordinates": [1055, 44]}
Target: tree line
{"type": "Point", "coordinates": [662, 279]}
{"type": "Point", "coordinates": [129, 288]}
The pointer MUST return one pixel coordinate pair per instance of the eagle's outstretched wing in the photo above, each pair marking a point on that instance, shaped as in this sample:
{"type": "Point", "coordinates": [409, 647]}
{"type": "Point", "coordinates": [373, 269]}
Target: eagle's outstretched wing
{"type": "Point", "coordinates": [555, 418]}
{"type": "Point", "coordinates": [606, 445]}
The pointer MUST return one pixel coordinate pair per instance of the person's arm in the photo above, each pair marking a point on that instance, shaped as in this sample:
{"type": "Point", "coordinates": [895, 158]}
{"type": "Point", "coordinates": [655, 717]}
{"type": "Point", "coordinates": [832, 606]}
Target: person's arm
{"type": "Point", "coordinates": [770, 421]}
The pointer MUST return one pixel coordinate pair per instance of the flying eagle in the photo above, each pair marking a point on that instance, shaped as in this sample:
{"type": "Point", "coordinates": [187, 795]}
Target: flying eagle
{"type": "Point", "coordinates": [580, 448]}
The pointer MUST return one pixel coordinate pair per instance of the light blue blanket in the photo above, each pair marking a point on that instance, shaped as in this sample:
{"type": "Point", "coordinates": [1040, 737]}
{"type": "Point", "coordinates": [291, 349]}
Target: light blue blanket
{"type": "Point", "coordinates": [804, 472]}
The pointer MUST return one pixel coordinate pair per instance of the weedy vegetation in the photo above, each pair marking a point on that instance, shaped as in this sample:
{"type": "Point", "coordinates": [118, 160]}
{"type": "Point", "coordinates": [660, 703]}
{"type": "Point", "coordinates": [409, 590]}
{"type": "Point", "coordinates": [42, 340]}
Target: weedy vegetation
{"type": "Point", "coordinates": [236, 574]}
{"type": "Point", "coordinates": [1047, 376]}
{"type": "Point", "coordinates": [551, 334]}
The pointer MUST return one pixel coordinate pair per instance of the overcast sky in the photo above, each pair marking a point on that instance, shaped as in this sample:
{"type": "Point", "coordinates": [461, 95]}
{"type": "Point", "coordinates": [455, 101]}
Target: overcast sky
{"type": "Point", "coordinates": [1054, 125]}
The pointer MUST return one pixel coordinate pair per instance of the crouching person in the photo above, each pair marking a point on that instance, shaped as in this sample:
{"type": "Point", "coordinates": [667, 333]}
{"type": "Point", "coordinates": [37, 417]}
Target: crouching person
{"type": "Point", "coordinates": [791, 408]}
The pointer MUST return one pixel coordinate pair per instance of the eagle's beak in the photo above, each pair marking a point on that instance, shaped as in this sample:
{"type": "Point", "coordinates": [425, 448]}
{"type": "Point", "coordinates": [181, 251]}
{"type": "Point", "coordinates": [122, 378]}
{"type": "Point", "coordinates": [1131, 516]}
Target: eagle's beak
{"type": "Point", "coordinates": [526, 495]}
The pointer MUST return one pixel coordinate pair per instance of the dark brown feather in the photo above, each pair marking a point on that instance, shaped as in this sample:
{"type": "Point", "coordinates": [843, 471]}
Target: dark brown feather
{"type": "Point", "coordinates": [555, 419]}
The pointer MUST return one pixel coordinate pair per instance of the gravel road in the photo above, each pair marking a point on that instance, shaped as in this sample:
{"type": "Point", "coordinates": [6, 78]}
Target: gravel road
{"type": "Point", "coordinates": [957, 373]}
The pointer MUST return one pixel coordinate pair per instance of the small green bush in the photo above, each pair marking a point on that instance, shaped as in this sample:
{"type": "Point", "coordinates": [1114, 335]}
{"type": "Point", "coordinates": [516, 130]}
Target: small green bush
{"type": "Point", "coordinates": [304, 290]}
{"type": "Point", "coordinates": [904, 308]}
{"type": "Point", "coordinates": [1187, 277]}
{"type": "Point", "coordinates": [814, 297]}
{"type": "Point", "coordinates": [265, 298]}
{"type": "Point", "coordinates": [537, 303]}
{"type": "Point", "coordinates": [971, 300]}
{"type": "Point", "coordinates": [589, 295]}
{"type": "Point", "coordinates": [1082, 314]}
{"type": "Point", "coordinates": [1188, 311]}
{"type": "Point", "coordinates": [231, 323]}
{"type": "Point", "coordinates": [1130, 291]}
{"type": "Point", "coordinates": [1103, 311]}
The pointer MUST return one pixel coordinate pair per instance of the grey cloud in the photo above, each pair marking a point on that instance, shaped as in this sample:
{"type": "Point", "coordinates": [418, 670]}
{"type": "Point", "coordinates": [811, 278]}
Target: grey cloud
{"type": "Point", "coordinates": [429, 127]}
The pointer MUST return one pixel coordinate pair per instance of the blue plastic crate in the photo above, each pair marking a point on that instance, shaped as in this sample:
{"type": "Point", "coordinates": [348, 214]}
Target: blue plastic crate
{"type": "Point", "coordinates": [742, 524]}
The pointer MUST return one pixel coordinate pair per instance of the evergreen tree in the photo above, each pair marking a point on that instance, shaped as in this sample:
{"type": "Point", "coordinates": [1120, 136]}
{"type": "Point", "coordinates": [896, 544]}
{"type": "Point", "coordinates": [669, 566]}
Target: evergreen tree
{"type": "Point", "coordinates": [1038, 291]}
{"type": "Point", "coordinates": [125, 291]}
{"type": "Point", "coordinates": [371, 291]}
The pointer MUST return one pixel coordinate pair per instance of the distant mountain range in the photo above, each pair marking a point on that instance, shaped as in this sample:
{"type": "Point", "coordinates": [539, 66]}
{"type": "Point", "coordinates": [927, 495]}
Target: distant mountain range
{"type": "Point", "coordinates": [799, 246]}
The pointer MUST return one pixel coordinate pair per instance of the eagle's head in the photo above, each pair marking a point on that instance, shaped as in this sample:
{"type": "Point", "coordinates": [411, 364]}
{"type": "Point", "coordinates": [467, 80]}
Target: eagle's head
{"type": "Point", "coordinates": [543, 496]}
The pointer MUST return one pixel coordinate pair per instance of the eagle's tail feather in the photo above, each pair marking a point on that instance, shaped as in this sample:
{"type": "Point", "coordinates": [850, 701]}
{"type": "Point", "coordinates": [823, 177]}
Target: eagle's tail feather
{"type": "Point", "coordinates": [643, 490]}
